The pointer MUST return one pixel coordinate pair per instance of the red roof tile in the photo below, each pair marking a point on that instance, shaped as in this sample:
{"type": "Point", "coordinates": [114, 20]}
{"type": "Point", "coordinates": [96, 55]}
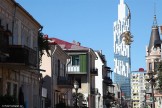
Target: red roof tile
{"type": "Point", "coordinates": [67, 45]}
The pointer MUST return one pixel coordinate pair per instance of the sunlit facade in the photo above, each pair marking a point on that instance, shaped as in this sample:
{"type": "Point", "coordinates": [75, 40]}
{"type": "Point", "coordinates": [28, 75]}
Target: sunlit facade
{"type": "Point", "coordinates": [138, 89]}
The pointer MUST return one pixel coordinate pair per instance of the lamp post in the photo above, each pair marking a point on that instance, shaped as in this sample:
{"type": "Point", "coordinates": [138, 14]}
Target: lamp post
{"type": "Point", "coordinates": [151, 80]}
{"type": "Point", "coordinates": [99, 95]}
{"type": "Point", "coordinates": [76, 86]}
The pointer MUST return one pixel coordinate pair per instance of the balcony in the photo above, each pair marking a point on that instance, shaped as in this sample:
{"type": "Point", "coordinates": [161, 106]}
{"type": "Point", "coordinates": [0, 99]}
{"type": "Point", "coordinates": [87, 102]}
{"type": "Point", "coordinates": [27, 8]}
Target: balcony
{"type": "Point", "coordinates": [107, 68]}
{"type": "Point", "coordinates": [94, 72]}
{"type": "Point", "coordinates": [19, 55]}
{"type": "Point", "coordinates": [111, 96]}
{"type": "Point", "coordinates": [64, 82]}
{"type": "Point", "coordinates": [107, 80]}
{"type": "Point", "coordinates": [75, 70]}
{"type": "Point", "coordinates": [148, 91]}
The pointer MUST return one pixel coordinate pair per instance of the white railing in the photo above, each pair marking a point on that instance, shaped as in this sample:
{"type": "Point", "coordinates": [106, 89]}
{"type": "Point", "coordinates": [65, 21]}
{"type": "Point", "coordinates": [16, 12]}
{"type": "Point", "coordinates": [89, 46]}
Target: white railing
{"type": "Point", "coordinates": [72, 69]}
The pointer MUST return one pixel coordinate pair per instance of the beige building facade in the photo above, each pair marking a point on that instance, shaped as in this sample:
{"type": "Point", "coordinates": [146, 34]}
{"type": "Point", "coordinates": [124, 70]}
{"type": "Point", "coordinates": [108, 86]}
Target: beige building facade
{"type": "Point", "coordinates": [81, 68]}
{"type": "Point", "coordinates": [18, 54]}
{"type": "Point", "coordinates": [138, 88]}
{"type": "Point", "coordinates": [55, 79]}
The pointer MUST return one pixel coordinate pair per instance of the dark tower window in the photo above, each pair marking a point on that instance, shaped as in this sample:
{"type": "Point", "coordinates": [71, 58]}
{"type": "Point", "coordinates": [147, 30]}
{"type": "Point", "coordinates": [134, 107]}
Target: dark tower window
{"type": "Point", "coordinates": [150, 66]}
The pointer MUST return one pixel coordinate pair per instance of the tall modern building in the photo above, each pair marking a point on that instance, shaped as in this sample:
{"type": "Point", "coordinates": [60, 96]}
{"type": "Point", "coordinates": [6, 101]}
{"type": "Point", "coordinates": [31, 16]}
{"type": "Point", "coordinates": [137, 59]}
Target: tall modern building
{"type": "Point", "coordinates": [122, 61]}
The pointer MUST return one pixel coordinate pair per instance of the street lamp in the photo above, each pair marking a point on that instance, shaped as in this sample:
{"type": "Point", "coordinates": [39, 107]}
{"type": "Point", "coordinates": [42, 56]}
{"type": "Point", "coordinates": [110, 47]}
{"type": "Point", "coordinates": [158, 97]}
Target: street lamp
{"type": "Point", "coordinates": [76, 86]}
{"type": "Point", "coordinates": [151, 80]}
{"type": "Point", "coordinates": [99, 95]}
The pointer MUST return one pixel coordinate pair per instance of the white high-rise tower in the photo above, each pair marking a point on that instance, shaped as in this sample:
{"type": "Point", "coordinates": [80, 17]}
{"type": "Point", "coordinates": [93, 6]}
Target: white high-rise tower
{"type": "Point", "coordinates": [122, 62]}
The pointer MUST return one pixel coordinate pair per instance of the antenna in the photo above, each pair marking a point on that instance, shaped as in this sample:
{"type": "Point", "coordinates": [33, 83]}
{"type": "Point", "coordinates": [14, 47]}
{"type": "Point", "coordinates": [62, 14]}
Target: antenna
{"type": "Point", "coordinates": [155, 20]}
{"type": "Point", "coordinates": [154, 7]}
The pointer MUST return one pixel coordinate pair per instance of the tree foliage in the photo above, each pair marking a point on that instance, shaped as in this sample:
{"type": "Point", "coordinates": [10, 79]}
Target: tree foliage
{"type": "Point", "coordinates": [80, 99]}
{"type": "Point", "coordinates": [160, 75]}
{"type": "Point", "coordinates": [43, 45]}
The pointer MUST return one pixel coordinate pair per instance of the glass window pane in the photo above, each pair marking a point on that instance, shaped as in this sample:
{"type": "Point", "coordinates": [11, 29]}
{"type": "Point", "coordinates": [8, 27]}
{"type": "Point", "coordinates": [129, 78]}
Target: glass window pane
{"type": "Point", "coordinates": [75, 60]}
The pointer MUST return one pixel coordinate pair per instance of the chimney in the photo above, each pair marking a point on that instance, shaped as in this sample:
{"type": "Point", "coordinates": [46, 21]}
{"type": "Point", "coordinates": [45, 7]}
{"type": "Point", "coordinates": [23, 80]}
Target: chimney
{"type": "Point", "coordinates": [78, 43]}
{"type": "Point", "coordinates": [74, 42]}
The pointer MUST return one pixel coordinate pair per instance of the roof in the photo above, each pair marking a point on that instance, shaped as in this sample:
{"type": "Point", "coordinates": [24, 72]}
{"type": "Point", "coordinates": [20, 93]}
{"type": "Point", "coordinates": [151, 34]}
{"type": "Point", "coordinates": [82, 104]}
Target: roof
{"type": "Point", "coordinates": [155, 36]}
{"type": "Point", "coordinates": [140, 70]}
{"type": "Point", "coordinates": [102, 57]}
{"type": "Point", "coordinates": [67, 45]}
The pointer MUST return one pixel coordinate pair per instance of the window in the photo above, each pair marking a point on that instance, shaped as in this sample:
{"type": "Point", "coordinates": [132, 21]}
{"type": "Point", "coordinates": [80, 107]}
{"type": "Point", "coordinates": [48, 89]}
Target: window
{"type": "Point", "coordinates": [9, 88]}
{"type": "Point", "coordinates": [150, 66]}
{"type": "Point", "coordinates": [58, 68]}
{"type": "Point", "coordinates": [75, 60]}
{"type": "Point", "coordinates": [12, 89]}
{"type": "Point", "coordinates": [64, 70]}
{"type": "Point", "coordinates": [118, 94]}
{"type": "Point", "coordinates": [1, 86]}
{"type": "Point", "coordinates": [156, 65]}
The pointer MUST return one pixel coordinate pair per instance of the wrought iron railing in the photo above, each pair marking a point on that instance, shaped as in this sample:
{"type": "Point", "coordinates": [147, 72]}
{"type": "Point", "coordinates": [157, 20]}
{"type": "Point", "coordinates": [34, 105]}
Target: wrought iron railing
{"type": "Point", "coordinates": [21, 54]}
{"type": "Point", "coordinates": [64, 81]}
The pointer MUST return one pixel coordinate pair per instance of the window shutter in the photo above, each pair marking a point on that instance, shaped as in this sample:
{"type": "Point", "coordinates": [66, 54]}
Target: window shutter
{"type": "Point", "coordinates": [83, 63]}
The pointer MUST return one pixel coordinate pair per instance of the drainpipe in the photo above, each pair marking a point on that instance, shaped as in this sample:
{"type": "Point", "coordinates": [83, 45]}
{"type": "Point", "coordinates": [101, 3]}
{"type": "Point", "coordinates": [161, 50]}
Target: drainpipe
{"type": "Point", "coordinates": [70, 80]}
{"type": "Point", "coordinates": [89, 81]}
{"type": "Point", "coordinates": [38, 66]}
{"type": "Point", "coordinates": [52, 70]}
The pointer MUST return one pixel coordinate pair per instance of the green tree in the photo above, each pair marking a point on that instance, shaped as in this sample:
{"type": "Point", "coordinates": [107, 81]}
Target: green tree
{"type": "Point", "coordinates": [43, 45]}
{"type": "Point", "coordinates": [160, 75]}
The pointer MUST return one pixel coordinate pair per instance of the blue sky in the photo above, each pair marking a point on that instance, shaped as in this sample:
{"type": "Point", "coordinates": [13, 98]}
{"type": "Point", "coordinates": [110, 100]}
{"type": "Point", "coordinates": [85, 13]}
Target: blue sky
{"type": "Point", "coordinates": [91, 23]}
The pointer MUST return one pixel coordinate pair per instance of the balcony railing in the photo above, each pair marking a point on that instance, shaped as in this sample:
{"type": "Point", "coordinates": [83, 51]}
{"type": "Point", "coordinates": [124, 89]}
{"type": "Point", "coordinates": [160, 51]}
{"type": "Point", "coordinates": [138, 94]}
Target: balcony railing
{"type": "Point", "coordinates": [107, 80]}
{"type": "Point", "coordinates": [64, 82]}
{"type": "Point", "coordinates": [19, 54]}
{"type": "Point", "coordinates": [94, 72]}
{"type": "Point", "coordinates": [148, 91]}
{"type": "Point", "coordinates": [75, 70]}
{"type": "Point", "coordinates": [107, 68]}
{"type": "Point", "coordinates": [110, 96]}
